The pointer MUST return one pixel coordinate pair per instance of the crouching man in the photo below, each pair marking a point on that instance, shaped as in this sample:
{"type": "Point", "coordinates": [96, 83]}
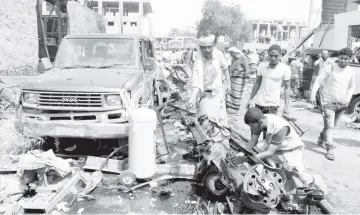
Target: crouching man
{"type": "Point", "coordinates": [283, 144]}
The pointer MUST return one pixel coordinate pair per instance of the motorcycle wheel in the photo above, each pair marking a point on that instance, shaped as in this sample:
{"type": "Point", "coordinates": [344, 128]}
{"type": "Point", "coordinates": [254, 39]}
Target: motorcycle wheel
{"type": "Point", "coordinates": [214, 185]}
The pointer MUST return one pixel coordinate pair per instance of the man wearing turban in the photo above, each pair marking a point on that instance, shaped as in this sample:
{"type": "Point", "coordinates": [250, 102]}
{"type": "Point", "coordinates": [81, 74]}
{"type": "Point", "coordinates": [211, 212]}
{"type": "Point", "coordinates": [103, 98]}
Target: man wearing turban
{"type": "Point", "coordinates": [210, 69]}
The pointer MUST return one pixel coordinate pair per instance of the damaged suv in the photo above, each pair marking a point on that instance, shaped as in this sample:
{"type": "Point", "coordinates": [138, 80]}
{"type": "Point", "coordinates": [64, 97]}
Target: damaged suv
{"type": "Point", "coordinates": [79, 97]}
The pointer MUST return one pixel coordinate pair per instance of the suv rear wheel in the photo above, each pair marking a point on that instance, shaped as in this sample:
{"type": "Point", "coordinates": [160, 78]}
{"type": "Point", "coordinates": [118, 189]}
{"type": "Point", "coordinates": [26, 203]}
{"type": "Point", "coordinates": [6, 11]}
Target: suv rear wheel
{"type": "Point", "coordinates": [355, 107]}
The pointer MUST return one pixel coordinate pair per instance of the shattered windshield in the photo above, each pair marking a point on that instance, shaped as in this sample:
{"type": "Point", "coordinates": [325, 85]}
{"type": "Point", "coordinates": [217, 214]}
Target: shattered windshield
{"type": "Point", "coordinates": [96, 53]}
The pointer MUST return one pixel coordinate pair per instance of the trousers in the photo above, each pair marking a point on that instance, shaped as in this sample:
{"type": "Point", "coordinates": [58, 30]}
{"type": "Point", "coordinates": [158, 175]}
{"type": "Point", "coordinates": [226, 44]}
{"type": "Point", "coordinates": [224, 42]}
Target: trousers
{"type": "Point", "coordinates": [332, 112]}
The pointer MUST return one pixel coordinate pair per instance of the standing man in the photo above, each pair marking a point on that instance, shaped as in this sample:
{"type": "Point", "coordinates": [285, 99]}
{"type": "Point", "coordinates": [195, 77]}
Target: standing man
{"type": "Point", "coordinates": [269, 80]}
{"type": "Point", "coordinates": [337, 82]}
{"type": "Point", "coordinates": [253, 62]}
{"type": "Point", "coordinates": [320, 64]}
{"type": "Point", "coordinates": [209, 71]}
{"type": "Point", "coordinates": [239, 71]}
{"type": "Point", "coordinates": [323, 61]}
{"type": "Point", "coordinates": [297, 68]}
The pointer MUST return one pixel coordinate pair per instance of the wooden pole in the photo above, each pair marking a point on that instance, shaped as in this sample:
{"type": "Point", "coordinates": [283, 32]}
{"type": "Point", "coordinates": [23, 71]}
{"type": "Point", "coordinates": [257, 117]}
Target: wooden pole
{"type": "Point", "coordinates": [43, 33]}
{"type": "Point", "coordinates": [59, 21]}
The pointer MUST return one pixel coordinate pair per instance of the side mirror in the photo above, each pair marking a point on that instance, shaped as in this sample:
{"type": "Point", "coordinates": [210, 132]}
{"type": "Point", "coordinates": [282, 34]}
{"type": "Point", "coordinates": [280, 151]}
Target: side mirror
{"type": "Point", "coordinates": [44, 65]}
{"type": "Point", "coordinates": [149, 64]}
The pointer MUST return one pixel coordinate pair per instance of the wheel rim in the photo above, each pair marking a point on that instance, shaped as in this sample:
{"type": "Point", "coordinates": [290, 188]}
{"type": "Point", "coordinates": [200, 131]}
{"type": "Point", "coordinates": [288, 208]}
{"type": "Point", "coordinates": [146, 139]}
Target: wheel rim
{"type": "Point", "coordinates": [357, 110]}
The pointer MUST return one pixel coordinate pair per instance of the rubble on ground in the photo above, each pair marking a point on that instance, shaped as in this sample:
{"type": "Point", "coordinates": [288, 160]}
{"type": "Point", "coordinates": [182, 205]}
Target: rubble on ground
{"type": "Point", "coordinates": [63, 186]}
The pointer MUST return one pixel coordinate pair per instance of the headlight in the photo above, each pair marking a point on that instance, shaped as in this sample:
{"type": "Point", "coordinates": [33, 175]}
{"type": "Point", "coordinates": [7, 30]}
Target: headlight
{"type": "Point", "coordinates": [30, 98]}
{"type": "Point", "coordinates": [113, 100]}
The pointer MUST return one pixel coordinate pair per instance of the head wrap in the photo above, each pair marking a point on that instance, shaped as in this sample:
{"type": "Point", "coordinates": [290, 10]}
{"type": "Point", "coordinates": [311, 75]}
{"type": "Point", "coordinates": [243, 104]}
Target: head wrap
{"type": "Point", "coordinates": [207, 41]}
{"type": "Point", "coordinates": [237, 51]}
{"type": "Point", "coordinates": [232, 49]}
{"type": "Point", "coordinates": [275, 47]}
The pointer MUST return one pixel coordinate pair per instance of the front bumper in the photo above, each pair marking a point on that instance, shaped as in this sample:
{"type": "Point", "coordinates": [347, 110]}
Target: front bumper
{"type": "Point", "coordinates": [40, 125]}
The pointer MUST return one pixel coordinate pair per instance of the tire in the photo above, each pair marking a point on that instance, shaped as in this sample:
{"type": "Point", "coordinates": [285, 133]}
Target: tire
{"type": "Point", "coordinates": [127, 178]}
{"type": "Point", "coordinates": [355, 106]}
{"type": "Point", "coordinates": [214, 185]}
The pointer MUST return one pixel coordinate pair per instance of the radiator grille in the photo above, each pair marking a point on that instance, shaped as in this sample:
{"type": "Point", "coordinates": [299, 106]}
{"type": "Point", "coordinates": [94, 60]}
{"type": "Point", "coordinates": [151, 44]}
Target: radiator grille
{"type": "Point", "coordinates": [55, 99]}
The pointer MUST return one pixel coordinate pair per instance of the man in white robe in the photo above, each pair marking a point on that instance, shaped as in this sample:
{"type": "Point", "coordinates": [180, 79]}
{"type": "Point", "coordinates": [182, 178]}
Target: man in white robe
{"type": "Point", "coordinates": [210, 69]}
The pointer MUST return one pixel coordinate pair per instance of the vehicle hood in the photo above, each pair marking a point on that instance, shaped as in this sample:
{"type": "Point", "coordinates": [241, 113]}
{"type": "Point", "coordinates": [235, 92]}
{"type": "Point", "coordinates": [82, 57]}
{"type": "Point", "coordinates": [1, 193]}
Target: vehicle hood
{"type": "Point", "coordinates": [86, 80]}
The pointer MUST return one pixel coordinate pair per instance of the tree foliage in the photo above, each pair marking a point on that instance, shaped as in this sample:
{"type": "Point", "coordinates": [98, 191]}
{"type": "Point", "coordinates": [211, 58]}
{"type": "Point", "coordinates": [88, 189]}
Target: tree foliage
{"type": "Point", "coordinates": [228, 20]}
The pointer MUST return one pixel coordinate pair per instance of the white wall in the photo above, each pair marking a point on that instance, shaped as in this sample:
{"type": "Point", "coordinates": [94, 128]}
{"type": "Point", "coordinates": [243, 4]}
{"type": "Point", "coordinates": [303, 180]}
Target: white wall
{"type": "Point", "coordinates": [19, 45]}
{"type": "Point", "coordinates": [342, 23]}
{"type": "Point", "coordinates": [82, 20]}
{"type": "Point", "coordinates": [327, 40]}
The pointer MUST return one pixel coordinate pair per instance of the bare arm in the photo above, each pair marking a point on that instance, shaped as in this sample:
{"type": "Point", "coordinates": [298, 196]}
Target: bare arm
{"type": "Point", "coordinates": [256, 87]}
{"type": "Point", "coordinates": [287, 96]}
{"type": "Point", "coordinates": [320, 79]}
{"type": "Point", "coordinates": [275, 141]}
{"type": "Point", "coordinates": [268, 153]}
{"type": "Point", "coordinates": [226, 74]}
{"type": "Point", "coordinates": [253, 141]}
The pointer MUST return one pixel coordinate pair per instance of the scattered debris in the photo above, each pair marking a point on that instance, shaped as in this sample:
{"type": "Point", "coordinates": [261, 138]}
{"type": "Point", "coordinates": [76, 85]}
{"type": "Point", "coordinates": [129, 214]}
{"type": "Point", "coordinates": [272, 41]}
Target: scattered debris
{"type": "Point", "coordinates": [111, 166]}
{"type": "Point", "coordinates": [80, 211]}
{"type": "Point", "coordinates": [164, 177]}
{"type": "Point", "coordinates": [71, 148]}
{"type": "Point", "coordinates": [46, 202]}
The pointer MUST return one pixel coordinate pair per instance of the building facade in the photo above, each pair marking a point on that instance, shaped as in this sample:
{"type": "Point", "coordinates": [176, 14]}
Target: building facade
{"type": "Point", "coordinates": [279, 30]}
{"type": "Point", "coordinates": [122, 16]}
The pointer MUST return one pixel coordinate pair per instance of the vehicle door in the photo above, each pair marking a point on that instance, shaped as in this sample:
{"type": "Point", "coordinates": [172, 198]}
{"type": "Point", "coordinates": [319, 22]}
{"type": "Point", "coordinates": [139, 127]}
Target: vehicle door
{"type": "Point", "coordinates": [149, 71]}
{"type": "Point", "coordinates": [137, 94]}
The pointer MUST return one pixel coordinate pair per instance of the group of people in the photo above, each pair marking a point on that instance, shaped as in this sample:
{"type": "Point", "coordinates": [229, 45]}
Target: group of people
{"type": "Point", "coordinates": [218, 86]}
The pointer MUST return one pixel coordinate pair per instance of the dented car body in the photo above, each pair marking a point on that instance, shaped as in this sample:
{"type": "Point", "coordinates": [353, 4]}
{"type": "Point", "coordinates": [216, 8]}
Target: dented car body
{"type": "Point", "coordinates": [79, 97]}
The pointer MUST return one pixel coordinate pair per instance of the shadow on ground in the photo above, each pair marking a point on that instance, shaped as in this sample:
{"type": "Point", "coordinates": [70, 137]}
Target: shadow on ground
{"type": "Point", "coordinates": [313, 147]}
{"type": "Point", "coordinates": [347, 142]}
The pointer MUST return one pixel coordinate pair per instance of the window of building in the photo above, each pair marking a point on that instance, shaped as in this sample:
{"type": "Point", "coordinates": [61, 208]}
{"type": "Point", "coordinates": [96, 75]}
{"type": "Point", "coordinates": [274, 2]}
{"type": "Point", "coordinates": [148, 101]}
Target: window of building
{"type": "Point", "coordinates": [92, 4]}
{"type": "Point", "coordinates": [111, 8]}
{"type": "Point", "coordinates": [111, 23]}
{"type": "Point", "coordinates": [131, 9]}
{"type": "Point", "coordinates": [133, 24]}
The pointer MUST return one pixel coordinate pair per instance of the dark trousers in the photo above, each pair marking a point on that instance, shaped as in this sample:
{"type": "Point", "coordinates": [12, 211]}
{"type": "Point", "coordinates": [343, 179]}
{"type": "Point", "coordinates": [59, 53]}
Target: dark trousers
{"type": "Point", "coordinates": [268, 109]}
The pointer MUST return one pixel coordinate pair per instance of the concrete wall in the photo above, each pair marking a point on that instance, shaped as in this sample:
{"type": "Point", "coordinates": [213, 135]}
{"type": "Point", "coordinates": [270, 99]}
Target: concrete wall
{"type": "Point", "coordinates": [82, 20]}
{"type": "Point", "coordinates": [326, 35]}
{"type": "Point", "coordinates": [18, 35]}
{"type": "Point", "coordinates": [342, 23]}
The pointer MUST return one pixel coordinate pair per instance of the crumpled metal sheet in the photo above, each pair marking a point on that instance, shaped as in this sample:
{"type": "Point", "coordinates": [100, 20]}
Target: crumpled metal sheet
{"type": "Point", "coordinates": [38, 159]}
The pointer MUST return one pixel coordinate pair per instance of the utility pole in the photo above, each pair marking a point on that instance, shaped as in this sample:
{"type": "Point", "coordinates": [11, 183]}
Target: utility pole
{"type": "Point", "coordinates": [310, 15]}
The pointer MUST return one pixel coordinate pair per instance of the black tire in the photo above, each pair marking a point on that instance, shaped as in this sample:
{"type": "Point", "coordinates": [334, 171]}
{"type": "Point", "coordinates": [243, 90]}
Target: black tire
{"type": "Point", "coordinates": [355, 105]}
{"type": "Point", "coordinates": [214, 185]}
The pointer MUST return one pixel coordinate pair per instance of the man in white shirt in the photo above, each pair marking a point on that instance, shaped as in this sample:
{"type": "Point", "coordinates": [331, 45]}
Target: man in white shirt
{"type": "Point", "coordinates": [270, 78]}
{"type": "Point", "coordinates": [323, 61]}
{"type": "Point", "coordinates": [337, 82]}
